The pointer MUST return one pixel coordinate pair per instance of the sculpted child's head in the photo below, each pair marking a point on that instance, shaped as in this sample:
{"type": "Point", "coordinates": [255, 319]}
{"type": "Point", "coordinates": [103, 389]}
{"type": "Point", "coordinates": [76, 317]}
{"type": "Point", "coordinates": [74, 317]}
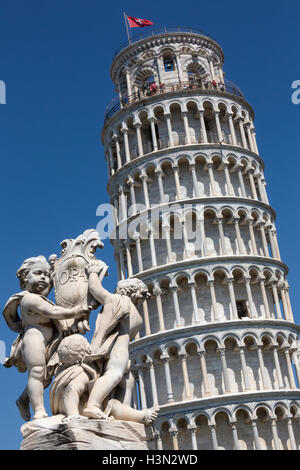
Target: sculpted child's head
{"type": "Point", "coordinates": [133, 288]}
{"type": "Point", "coordinates": [34, 275]}
{"type": "Point", "coordinates": [73, 349]}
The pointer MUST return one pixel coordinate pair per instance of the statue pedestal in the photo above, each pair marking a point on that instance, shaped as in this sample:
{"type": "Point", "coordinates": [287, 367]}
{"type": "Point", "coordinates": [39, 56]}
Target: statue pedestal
{"type": "Point", "coordinates": [86, 434]}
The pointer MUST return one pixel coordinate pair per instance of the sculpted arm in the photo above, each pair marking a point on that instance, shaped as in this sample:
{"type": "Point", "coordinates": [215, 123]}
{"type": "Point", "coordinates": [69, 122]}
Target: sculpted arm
{"type": "Point", "coordinates": [97, 290]}
{"type": "Point", "coordinates": [37, 304]}
{"type": "Point", "coordinates": [95, 282]}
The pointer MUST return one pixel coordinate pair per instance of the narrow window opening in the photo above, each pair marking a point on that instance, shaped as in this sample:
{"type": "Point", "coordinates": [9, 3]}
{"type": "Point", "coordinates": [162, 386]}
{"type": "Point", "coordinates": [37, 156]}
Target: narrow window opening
{"type": "Point", "coordinates": [242, 309]}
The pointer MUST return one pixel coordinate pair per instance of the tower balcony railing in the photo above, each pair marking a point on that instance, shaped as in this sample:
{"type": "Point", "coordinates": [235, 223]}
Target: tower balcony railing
{"type": "Point", "coordinates": [146, 33]}
{"type": "Point", "coordinates": [121, 103]}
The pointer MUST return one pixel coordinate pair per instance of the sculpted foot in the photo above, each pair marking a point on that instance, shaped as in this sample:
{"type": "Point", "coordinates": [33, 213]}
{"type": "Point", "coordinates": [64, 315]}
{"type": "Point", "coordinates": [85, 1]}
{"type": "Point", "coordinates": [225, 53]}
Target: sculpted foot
{"type": "Point", "coordinates": [24, 409]}
{"type": "Point", "coordinates": [150, 415]}
{"type": "Point", "coordinates": [94, 413]}
{"type": "Point", "coordinates": [40, 414]}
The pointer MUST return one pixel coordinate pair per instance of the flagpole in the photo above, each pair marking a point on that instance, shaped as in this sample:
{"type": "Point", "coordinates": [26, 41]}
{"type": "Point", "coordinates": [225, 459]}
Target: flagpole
{"type": "Point", "coordinates": [125, 19]}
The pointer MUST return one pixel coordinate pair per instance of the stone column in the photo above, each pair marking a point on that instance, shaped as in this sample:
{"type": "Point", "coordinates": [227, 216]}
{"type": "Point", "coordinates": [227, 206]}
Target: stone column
{"type": "Point", "coordinates": [221, 351]}
{"type": "Point", "coordinates": [188, 395]}
{"type": "Point", "coordinates": [122, 261]}
{"type": "Point", "coordinates": [250, 137]}
{"type": "Point", "coordinates": [138, 126]}
{"type": "Point", "coordinates": [159, 444]}
{"type": "Point", "coordinates": [284, 303]}
{"type": "Point", "coordinates": [278, 368]}
{"type": "Point", "coordinates": [255, 435]}
{"type": "Point", "coordinates": [213, 300]}
{"type": "Point", "coordinates": [252, 184]}
{"type": "Point", "coordinates": [211, 178]}
{"type": "Point", "coordinates": [176, 305]}
{"type": "Point", "coordinates": [157, 292]}
{"type": "Point", "coordinates": [291, 433]}
{"type": "Point", "coordinates": [159, 174]}
{"type": "Point", "coordinates": [232, 130]}
{"type": "Point", "coordinates": [262, 367]}
{"type": "Point", "coordinates": [146, 318]}
{"type": "Point", "coordinates": [124, 131]}
{"type": "Point", "coordinates": [273, 232]}
{"type": "Point", "coordinates": [263, 181]}
{"type": "Point", "coordinates": [186, 253]}
{"type": "Point", "coordinates": [230, 281]}
{"type": "Point", "coordinates": [153, 384]}
{"type": "Point", "coordinates": [241, 181]}
{"type": "Point", "coordinates": [275, 434]}
{"type": "Point", "coordinates": [228, 182]}
{"type": "Point", "coordinates": [236, 221]}
{"type": "Point", "coordinates": [139, 252]}
{"type": "Point", "coordinates": [144, 179]}
{"type": "Point", "coordinates": [186, 127]}
{"type": "Point", "coordinates": [276, 300]}
{"type": "Point", "coordinates": [153, 133]}
{"type": "Point", "coordinates": [261, 190]}
{"type": "Point", "coordinates": [218, 126]}
{"type": "Point", "coordinates": [253, 313]}
{"type": "Point", "coordinates": [242, 132]}
{"type": "Point", "coordinates": [178, 63]}
{"type": "Point", "coordinates": [166, 233]}
{"type": "Point", "coordinates": [196, 318]}
{"type": "Point", "coordinates": [201, 228]}
{"type": "Point", "coordinates": [109, 171]}
{"type": "Point", "coordinates": [202, 127]}
{"type": "Point", "coordinates": [174, 434]}
{"type": "Point", "coordinates": [252, 237]}
{"type": "Point", "coordinates": [128, 257]}
{"type": "Point", "coordinates": [235, 436]}
{"type": "Point", "coordinates": [254, 140]}
{"type": "Point", "coordinates": [244, 368]}
{"type": "Point", "coordinates": [170, 132]}
{"type": "Point", "coordinates": [290, 369]}
{"type": "Point", "coordinates": [165, 361]}
{"type": "Point", "coordinates": [212, 70]}
{"type": "Point", "coordinates": [128, 82]}
{"type": "Point", "coordinates": [141, 386]}
{"type": "Point", "coordinates": [212, 428]}
{"type": "Point", "coordinates": [264, 240]}
{"type": "Point", "coordinates": [152, 248]}
{"type": "Point", "coordinates": [119, 161]}
{"type": "Point", "coordinates": [111, 159]}
{"type": "Point", "coordinates": [122, 204]}
{"type": "Point", "coordinates": [221, 235]}
{"type": "Point", "coordinates": [291, 316]}
{"type": "Point", "coordinates": [202, 355]}
{"type": "Point", "coordinates": [264, 297]}
{"type": "Point", "coordinates": [194, 178]}
{"type": "Point", "coordinates": [131, 184]}
{"type": "Point", "coordinates": [177, 182]}
{"type": "Point", "coordinates": [193, 429]}
{"type": "Point", "coordinates": [272, 244]}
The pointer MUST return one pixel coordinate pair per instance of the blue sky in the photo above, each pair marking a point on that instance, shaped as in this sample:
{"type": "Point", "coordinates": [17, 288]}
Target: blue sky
{"type": "Point", "coordinates": [55, 59]}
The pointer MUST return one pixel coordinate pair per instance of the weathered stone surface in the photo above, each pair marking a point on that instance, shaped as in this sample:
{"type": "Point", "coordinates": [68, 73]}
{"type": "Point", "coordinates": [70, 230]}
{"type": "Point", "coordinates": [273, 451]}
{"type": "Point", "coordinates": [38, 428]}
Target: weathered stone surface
{"type": "Point", "coordinates": [84, 434]}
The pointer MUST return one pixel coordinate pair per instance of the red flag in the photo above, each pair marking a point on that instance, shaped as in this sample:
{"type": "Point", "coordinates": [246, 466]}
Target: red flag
{"type": "Point", "coordinates": [138, 22]}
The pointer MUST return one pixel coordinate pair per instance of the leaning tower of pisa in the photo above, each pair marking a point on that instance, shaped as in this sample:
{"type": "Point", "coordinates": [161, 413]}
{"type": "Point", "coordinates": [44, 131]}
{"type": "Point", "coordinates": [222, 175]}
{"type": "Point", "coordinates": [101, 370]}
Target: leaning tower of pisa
{"type": "Point", "coordinates": [218, 353]}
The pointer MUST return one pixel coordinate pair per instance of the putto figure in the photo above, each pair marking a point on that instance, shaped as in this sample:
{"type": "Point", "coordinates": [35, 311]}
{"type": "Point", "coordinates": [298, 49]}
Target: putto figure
{"type": "Point", "coordinates": [118, 323]}
{"type": "Point", "coordinates": [39, 333]}
{"type": "Point", "coordinates": [90, 380]}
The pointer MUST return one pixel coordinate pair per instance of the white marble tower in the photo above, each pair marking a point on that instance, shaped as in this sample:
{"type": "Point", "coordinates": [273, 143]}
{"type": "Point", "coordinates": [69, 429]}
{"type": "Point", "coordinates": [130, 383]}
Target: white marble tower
{"type": "Point", "coordinates": [219, 349]}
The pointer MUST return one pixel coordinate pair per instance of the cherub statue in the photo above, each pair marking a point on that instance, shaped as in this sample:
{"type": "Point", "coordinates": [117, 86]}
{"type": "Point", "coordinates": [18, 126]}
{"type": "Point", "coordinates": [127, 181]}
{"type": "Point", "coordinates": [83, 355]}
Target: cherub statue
{"type": "Point", "coordinates": [68, 392]}
{"type": "Point", "coordinates": [76, 376]}
{"type": "Point", "coordinates": [38, 335]}
{"type": "Point", "coordinates": [118, 323]}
